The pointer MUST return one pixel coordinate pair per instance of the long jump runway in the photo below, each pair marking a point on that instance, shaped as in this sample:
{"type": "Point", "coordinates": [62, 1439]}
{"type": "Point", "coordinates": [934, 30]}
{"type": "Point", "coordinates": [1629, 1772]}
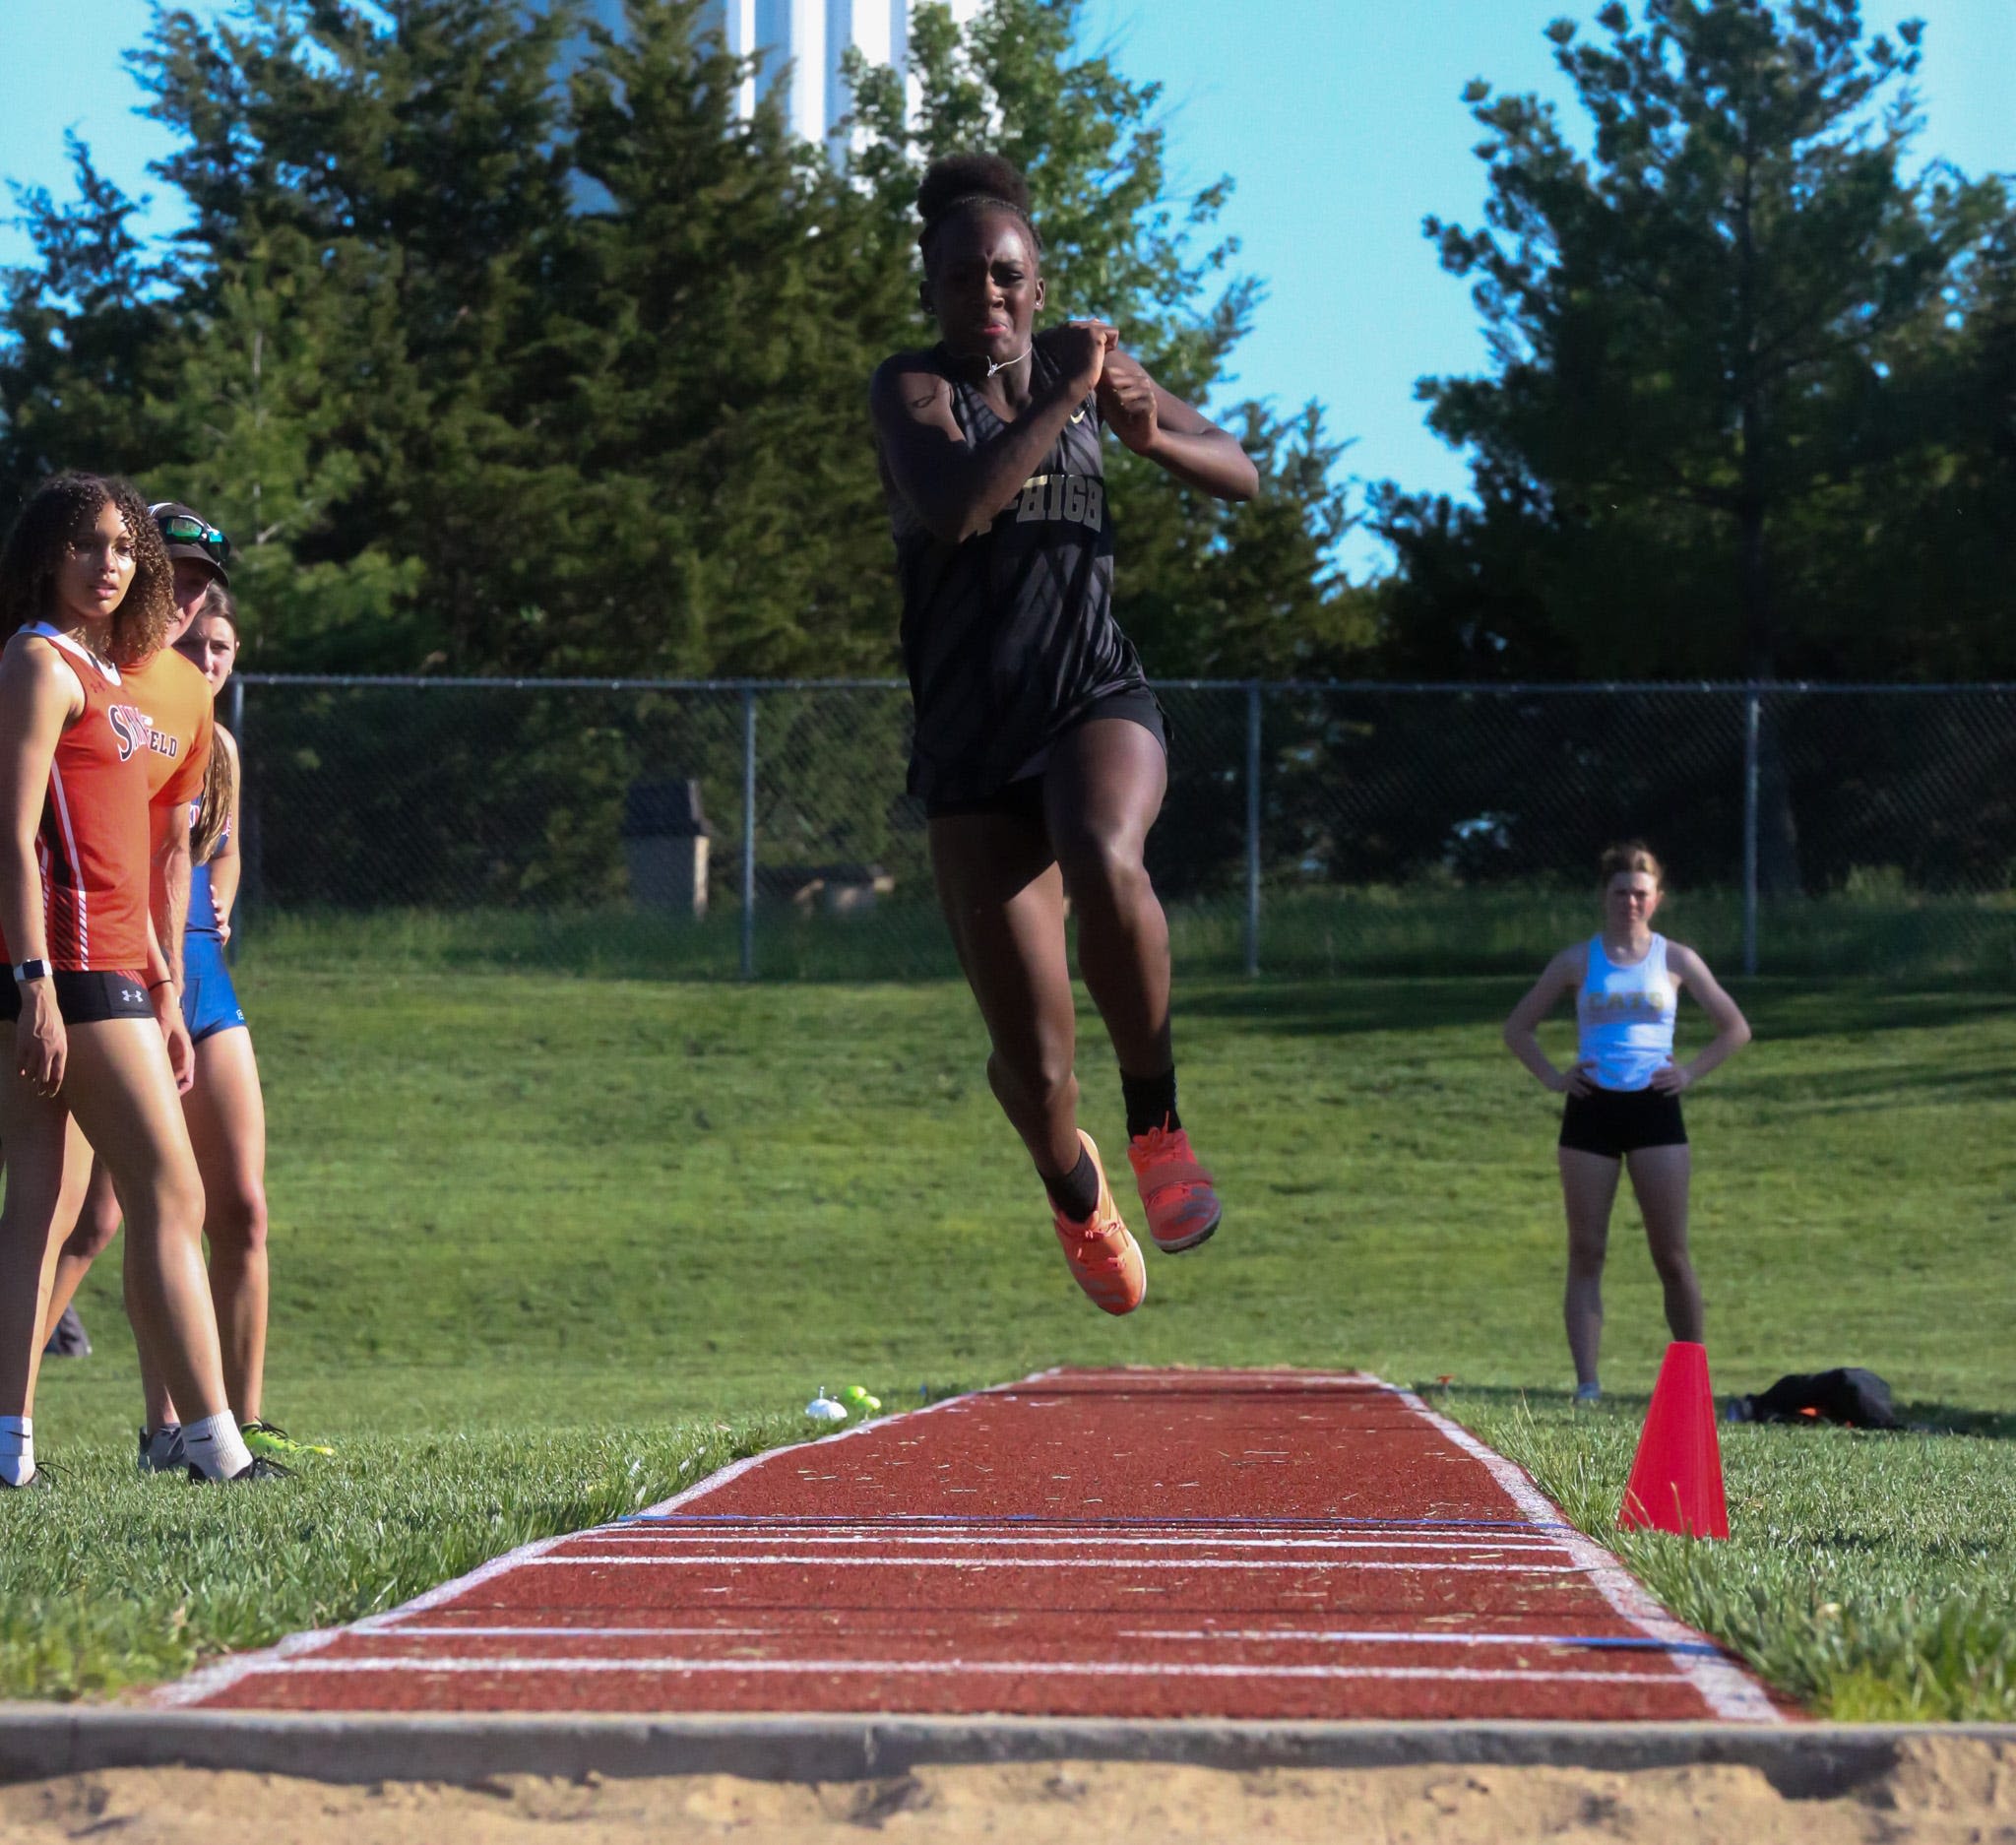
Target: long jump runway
{"type": "Point", "coordinates": [1272, 1545]}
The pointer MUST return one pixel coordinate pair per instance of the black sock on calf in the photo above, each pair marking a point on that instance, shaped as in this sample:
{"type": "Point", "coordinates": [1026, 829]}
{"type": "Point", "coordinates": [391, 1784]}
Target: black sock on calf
{"type": "Point", "coordinates": [1151, 1103]}
{"type": "Point", "coordinates": [1076, 1194]}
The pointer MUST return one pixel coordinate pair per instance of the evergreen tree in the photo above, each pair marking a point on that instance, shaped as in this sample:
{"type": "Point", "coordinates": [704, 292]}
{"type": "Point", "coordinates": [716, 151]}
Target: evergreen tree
{"type": "Point", "coordinates": [87, 369]}
{"type": "Point", "coordinates": [281, 374]}
{"type": "Point", "coordinates": [1705, 339]}
{"type": "Point", "coordinates": [390, 185]}
{"type": "Point", "coordinates": [717, 328]}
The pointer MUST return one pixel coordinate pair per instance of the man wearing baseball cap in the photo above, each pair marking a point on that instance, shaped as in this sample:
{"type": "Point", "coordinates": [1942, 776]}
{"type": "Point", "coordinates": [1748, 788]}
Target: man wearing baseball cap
{"type": "Point", "coordinates": [191, 540]}
{"type": "Point", "coordinates": [175, 697]}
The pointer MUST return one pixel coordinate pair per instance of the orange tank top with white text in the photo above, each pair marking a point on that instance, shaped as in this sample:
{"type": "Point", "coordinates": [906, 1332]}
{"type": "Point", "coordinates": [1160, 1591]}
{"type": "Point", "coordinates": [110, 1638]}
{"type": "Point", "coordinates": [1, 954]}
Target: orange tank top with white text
{"type": "Point", "coordinates": [175, 696]}
{"type": "Point", "coordinates": [92, 843]}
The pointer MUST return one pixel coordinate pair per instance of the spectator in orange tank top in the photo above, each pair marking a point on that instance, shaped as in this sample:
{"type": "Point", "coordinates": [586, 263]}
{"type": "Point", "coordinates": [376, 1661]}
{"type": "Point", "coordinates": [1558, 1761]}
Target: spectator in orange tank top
{"type": "Point", "coordinates": [91, 1042]}
{"type": "Point", "coordinates": [175, 697]}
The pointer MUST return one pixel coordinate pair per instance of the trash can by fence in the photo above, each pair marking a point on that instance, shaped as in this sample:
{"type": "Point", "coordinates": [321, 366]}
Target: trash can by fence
{"type": "Point", "coordinates": [666, 845]}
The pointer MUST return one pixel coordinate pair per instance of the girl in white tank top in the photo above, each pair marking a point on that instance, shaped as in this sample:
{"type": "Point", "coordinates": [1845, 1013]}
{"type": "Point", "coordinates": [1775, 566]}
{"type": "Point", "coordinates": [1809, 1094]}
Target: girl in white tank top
{"type": "Point", "coordinates": [1623, 1094]}
{"type": "Point", "coordinates": [1625, 1010]}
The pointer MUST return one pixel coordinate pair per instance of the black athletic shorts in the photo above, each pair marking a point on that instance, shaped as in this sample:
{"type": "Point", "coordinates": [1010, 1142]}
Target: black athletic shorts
{"type": "Point", "coordinates": [1023, 796]}
{"type": "Point", "coordinates": [1618, 1122]}
{"type": "Point", "coordinates": [87, 999]}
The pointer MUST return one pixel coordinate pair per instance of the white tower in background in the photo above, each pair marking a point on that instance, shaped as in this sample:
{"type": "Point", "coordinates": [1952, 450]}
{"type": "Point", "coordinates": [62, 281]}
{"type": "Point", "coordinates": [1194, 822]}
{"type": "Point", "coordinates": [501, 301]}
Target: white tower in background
{"type": "Point", "coordinates": [802, 43]}
{"type": "Point", "coordinates": [810, 37]}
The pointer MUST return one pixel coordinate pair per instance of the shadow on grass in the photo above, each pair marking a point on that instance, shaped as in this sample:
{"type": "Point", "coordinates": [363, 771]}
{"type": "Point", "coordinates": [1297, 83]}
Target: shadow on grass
{"type": "Point", "coordinates": [1870, 1087]}
{"type": "Point", "coordinates": [1457, 1395]}
{"type": "Point", "coordinates": [1788, 1010]}
{"type": "Point", "coordinates": [1919, 1417]}
{"type": "Point", "coordinates": [1952, 1419]}
{"type": "Point", "coordinates": [1783, 1011]}
{"type": "Point", "coordinates": [1350, 1005]}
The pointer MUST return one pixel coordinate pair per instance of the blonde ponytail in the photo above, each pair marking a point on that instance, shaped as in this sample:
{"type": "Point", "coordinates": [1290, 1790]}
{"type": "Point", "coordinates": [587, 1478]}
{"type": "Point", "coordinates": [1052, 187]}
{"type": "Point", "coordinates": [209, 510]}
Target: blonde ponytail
{"type": "Point", "coordinates": [220, 795]}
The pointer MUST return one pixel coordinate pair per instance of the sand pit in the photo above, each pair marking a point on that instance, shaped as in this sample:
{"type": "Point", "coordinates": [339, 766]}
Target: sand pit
{"type": "Point", "coordinates": [1941, 1788]}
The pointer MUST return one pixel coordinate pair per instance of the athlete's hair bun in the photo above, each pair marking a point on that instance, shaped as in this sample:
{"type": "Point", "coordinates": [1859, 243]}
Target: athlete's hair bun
{"type": "Point", "coordinates": [957, 180]}
{"type": "Point", "coordinates": [960, 177]}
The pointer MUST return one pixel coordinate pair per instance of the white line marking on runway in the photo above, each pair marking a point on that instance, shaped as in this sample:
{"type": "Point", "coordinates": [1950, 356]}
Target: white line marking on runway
{"type": "Point", "coordinates": [1421, 1567]}
{"type": "Point", "coordinates": [993, 1668]}
{"type": "Point", "coordinates": [1286, 1636]}
{"type": "Point", "coordinates": [948, 1529]}
{"type": "Point", "coordinates": [562, 1632]}
{"type": "Point", "coordinates": [1387, 1636]}
{"type": "Point", "coordinates": [1104, 1543]}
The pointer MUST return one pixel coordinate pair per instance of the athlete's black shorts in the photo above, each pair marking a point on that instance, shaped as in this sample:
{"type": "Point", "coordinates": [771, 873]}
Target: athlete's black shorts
{"type": "Point", "coordinates": [1023, 796]}
{"type": "Point", "coordinates": [87, 999]}
{"type": "Point", "coordinates": [1618, 1122]}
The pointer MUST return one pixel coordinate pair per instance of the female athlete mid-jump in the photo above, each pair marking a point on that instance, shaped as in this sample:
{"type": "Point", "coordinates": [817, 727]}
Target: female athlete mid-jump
{"type": "Point", "coordinates": [1040, 752]}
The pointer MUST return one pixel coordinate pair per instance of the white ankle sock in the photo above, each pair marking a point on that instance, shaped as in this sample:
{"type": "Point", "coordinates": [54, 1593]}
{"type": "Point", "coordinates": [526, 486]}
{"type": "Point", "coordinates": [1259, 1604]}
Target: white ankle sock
{"type": "Point", "coordinates": [215, 1447]}
{"type": "Point", "coordinates": [17, 1449]}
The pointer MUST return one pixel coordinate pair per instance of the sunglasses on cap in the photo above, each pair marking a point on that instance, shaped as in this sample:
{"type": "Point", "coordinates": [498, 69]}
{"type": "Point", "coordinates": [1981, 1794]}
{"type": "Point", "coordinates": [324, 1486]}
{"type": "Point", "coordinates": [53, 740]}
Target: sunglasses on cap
{"type": "Point", "coordinates": [180, 528]}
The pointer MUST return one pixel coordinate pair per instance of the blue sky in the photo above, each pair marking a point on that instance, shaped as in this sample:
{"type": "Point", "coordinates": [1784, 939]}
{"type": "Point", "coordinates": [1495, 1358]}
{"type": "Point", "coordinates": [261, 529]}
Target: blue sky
{"type": "Point", "coordinates": [1339, 121]}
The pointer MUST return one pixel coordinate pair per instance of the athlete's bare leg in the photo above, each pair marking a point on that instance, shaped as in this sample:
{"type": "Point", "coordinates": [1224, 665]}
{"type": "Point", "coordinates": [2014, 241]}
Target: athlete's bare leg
{"type": "Point", "coordinates": [97, 1223]}
{"type": "Point", "coordinates": [1003, 898]}
{"type": "Point", "coordinates": [1659, 1176]}
{"type": "Point", "coordinates": [123, 1096]}
{"type": "Point", "coordinates": [48, 1168]}
{"type": "Point", "coordinates": [226, 1117]}
{"type": "Point", "coordinates": [158, 1401]}
{"type": "Point", "coordinates": [1101, 794]}
{"type": "Point", "coordinates": [1589, 1187]}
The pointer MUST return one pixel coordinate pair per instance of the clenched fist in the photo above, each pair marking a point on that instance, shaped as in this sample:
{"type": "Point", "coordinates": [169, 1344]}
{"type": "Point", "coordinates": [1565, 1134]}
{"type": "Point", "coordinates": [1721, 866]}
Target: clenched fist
{"type": "Point", "coordinates": [1127, 401]}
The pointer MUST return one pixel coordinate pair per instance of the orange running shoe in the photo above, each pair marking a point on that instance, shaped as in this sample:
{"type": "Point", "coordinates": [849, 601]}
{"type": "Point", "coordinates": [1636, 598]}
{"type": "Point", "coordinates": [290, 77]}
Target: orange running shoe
{"type": "Point", "coordinates": [1105, 1260]}
{"type": "Point", "coordinates": [1182, 1207]}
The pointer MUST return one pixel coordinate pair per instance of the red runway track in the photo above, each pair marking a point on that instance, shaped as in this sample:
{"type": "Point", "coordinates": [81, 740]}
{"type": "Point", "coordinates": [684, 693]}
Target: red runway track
{"type": "Point", "coordinates": [1085, 1544]}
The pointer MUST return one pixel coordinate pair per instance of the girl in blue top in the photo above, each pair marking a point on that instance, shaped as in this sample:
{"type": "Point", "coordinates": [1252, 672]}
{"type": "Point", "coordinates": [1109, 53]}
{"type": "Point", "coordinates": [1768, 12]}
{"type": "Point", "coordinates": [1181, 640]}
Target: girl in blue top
{"type": "Point", "coordinates": [225, 1109]}
{"type": "Point", "coordinates": [1623, 1094]}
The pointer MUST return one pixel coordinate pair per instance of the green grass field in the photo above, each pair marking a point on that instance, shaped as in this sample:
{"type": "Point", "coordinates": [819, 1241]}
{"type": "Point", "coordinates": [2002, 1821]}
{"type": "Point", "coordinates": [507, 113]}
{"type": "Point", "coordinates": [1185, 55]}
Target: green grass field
{"type": "Point", "coordinates": [1328, 933]}
{"type": "Point", "coordinates": [549, 1246]}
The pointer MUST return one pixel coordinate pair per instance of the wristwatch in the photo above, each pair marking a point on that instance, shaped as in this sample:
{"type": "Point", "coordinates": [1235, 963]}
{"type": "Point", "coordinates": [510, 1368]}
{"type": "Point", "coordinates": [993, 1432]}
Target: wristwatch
{"type": "Point", "coordinates": [31, 971]}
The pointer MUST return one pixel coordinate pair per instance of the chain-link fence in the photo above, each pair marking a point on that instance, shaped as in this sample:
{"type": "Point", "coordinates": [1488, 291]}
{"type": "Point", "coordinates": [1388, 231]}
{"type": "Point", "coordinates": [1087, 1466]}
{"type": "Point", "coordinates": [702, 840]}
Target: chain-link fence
{"type": "Point", "coordinates": [760, 829]}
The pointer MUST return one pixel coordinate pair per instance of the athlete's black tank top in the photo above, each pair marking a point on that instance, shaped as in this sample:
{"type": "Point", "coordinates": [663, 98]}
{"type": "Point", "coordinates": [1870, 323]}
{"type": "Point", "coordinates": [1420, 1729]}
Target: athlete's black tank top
{"type": "Point", "coordinates": [1009, 637]}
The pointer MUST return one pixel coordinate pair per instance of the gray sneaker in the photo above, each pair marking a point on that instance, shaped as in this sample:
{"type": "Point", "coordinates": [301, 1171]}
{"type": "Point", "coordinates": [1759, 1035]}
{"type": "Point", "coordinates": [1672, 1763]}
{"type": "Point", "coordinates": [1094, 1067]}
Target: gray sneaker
{"type": "Point", "coordinates": [161, 1450]}
{"type": "Point", "coordinates": [68, 1338]}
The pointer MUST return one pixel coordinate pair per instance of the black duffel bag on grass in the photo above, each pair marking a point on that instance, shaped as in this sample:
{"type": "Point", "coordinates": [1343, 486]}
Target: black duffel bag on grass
{"type": "Point", "coordinates": [1851, 1397]}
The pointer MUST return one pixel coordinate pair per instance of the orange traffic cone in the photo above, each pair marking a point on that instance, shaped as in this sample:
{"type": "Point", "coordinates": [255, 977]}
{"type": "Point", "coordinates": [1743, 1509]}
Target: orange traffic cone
{"type": "Point", "coordinates": [1676, 1482]}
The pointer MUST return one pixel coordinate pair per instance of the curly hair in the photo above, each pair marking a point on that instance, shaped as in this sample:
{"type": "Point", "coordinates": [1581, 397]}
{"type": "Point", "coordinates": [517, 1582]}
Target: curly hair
{"type": "Point", "coordinates": [964, 182]}
{"type": "Point", "coordinates": [61, 513]}
{"type": "Point", "coordinates": [221, 778]}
